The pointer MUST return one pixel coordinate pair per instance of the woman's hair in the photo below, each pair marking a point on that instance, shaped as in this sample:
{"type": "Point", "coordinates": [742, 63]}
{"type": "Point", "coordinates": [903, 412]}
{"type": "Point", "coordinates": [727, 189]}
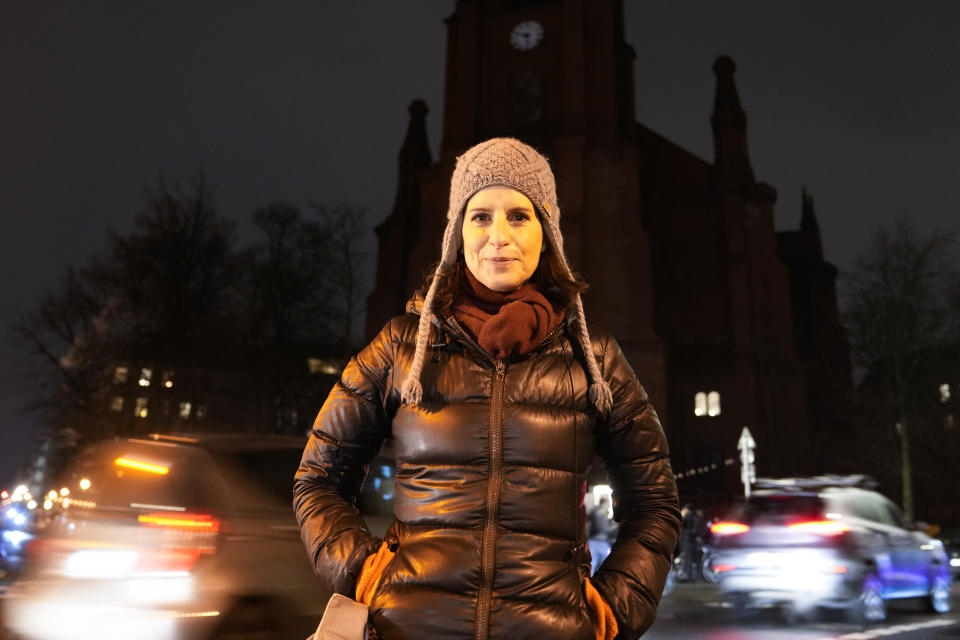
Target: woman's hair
{"type": "Point", "coordinates": [550, 278]}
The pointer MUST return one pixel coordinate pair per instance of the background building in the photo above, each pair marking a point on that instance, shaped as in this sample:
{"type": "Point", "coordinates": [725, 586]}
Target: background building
{"type": "Point", "coordinates": [722, 318]}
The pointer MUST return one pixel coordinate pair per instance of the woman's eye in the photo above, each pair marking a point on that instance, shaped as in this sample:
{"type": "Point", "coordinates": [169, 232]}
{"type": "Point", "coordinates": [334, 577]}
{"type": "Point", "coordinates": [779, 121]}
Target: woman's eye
{"type": "Point", "coordinates": [519, 216]}
{"type": "Point", "coordinates": [480, 218]}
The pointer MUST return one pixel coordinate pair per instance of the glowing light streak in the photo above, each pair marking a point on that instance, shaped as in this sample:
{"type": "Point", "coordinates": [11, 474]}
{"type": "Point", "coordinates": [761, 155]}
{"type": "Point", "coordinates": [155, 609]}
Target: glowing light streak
{"type": "Point", "coordinates": [128, 463]}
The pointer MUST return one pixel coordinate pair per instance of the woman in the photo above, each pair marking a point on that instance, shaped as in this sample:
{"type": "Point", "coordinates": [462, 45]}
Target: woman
{"type": "Point", "coordinates": [496, 398]}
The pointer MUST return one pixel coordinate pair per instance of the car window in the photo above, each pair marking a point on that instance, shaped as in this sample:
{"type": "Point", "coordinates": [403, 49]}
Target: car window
{"type": "Point", "coordinates": [869, 506]}
{"type": "Point", "coordinates": [843, 504]}
{"type": "Point", "coordinates": [891, 513]}
{"type": "Point", "coordinates": [776, 508]}
{"type": "Point", "coordinates": [121, 477]}
{"type": "Point", "coordinates": [863, 507]}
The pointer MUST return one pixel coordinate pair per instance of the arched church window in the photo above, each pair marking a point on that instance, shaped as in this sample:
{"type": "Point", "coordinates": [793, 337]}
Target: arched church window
{"type": "Point", "coordinates": [700, 404]}
{"type": "Point", "coordinates": [713, 403]}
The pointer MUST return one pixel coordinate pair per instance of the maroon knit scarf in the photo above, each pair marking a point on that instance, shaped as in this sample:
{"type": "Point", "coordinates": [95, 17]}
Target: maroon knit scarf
{"type": "Point", "coordinates": [505, 324]}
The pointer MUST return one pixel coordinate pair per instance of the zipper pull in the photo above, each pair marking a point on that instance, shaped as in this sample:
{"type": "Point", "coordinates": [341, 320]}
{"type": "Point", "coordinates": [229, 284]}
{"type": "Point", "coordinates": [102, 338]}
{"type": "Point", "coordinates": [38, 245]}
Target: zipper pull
{"type": "Point", "coordinates": [501, 370]}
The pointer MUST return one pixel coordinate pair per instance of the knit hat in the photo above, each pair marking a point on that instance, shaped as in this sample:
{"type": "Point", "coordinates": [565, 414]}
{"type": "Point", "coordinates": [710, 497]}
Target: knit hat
{"type": "Point", "coordinates": [503, 162]}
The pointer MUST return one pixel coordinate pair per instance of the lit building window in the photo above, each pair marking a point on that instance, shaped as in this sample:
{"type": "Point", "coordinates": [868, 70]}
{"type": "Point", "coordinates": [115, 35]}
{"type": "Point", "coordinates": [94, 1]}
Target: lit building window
{"type": "Point", "coordinates": [713, 403]}
{"type": "Point", "coordinates": [168, 379]}
{"type": "Point", "coordinates": [117, 403]}
{"type": "Point", "coordinates": [700, 404]}
{"type": "Point", "coordinates": [141, 409]}
{"type": "Point", "coordinates": [948, 422]}
{"type": "Point", "coordinates": [145, 375]}
{"type": "Point", "coordinates": [184, 410]}
{"type": "Point", "coordinates": [120, 375]}
{"type": "Point", "coordinates": [328, 366]}
{"type": "Point", "coordinates": [944, 392]}
{"type": "Point", "coordinates": [200, 412]}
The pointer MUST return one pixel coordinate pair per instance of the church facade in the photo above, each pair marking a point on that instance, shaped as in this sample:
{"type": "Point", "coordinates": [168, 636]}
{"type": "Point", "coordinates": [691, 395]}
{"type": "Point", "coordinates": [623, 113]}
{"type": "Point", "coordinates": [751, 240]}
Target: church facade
{"type": "Point", "coordinates": [722, 318]}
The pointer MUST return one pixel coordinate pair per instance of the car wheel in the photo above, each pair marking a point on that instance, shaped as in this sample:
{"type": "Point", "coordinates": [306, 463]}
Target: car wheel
{"type": "Point", "coordinates": [869, 607]}
{"type": "Point", "coordinates": [939, 599]}
{"type": "Point", "coordinates": [248, 621]}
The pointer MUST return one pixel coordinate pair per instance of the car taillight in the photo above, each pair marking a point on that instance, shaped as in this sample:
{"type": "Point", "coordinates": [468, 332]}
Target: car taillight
{"type": "Point", "coordinates": [728, 528]}
{"type": "Point", "coordinates": [198, 522]}
{"type": "Point", "coordinates": [189, 537]}
{"type": "Point", "coordinates": [827, 528]}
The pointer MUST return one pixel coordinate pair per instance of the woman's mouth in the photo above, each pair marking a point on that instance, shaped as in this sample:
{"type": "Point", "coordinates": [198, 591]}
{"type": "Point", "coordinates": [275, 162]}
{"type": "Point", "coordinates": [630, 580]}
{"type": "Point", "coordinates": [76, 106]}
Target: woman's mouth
{"type": "Point", "coordinates": [499, 262]}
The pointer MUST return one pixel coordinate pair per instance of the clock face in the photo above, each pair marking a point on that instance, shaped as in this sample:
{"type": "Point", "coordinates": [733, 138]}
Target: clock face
{"type": "Point", "coordinates": [526, 35]}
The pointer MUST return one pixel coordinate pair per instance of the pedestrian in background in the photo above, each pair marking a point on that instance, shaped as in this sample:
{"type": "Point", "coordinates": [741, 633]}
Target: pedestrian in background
{"type": "Point", "coordinates": [601, 532]}
{"type": "Point", "coordinates": [496, 396]}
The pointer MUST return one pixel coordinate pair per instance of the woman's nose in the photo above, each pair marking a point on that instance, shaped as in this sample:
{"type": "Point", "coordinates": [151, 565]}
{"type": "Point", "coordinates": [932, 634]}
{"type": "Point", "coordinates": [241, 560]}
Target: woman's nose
{"type": "Point", "coordinates": [499, 231]}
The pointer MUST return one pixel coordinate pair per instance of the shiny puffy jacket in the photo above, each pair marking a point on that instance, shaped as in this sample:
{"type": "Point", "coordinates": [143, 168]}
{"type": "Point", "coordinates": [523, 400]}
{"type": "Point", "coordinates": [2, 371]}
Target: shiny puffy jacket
{"type": "Point", "coordinates": [489, 529]}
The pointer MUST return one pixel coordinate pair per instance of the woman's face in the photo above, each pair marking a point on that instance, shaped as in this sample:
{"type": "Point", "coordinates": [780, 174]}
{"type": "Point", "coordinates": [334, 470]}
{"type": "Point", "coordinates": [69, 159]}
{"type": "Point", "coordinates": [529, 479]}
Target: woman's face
{"type": "Point", "coordinates": [502, 238]}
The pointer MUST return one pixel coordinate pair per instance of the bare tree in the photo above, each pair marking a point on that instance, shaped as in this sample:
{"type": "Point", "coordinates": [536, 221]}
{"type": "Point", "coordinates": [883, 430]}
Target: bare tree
{"type": "Point", "coordinates": [237, 328]}
{"type": "Point", "coordinates": [161, 292]}
{"type": "Point", "coordinates": [172, 275]}
{"type": "Point", "coordinates": [349, 236]}
{"type": "Point", "coordinates": [897, 312]}
{"type": "Point", "coordinates": [65, 337]}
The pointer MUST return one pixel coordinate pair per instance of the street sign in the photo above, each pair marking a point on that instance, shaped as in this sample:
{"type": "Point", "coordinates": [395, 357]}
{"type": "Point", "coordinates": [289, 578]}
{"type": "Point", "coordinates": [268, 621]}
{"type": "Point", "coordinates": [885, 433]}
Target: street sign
{"type": "Point", "coordinates": [748, 467]}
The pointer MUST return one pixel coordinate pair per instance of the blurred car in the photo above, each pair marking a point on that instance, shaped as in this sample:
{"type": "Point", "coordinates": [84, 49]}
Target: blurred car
{"type": "Point", "coordinates": [168, 537]}
{"type": "Point", "coordinates": [16, 531]}
{"type": "Point", "coordinates": [809, 543]}
{"type": "Point", "coordinates": [951, 542]}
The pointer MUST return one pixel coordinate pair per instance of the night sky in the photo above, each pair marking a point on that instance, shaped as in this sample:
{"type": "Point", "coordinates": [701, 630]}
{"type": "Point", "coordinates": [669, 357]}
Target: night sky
{"type": "Point", "coordinates": [858, 101]}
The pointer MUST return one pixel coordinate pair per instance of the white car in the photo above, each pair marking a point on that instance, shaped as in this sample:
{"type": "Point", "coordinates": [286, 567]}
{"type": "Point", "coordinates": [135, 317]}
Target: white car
{"type": "Point", "coordinates": [808, 543]}
{"type": "Point", "coordinates": [165, 538]}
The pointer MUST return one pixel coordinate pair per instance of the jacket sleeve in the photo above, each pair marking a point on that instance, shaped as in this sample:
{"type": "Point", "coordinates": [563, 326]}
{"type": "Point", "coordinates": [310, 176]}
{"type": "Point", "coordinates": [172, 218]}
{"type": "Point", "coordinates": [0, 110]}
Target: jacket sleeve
{"type": "Point", "coordinates": [347, 434]}
{"type": "Point", "coordinates": [633, 448]}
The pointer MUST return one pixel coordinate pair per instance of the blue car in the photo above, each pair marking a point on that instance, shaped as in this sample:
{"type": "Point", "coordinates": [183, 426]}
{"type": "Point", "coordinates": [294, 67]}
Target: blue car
{"type": "Point", "coordinates": [804, 544]}
{"type": "Point", "coordinates": [16, 530]}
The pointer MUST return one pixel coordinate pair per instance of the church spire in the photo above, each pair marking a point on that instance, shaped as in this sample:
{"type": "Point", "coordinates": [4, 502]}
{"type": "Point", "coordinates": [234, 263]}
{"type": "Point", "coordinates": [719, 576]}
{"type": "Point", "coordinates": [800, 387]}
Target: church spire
{"type": "Point", "coordinates": [809, 227]}
{"type": "Point", "coordinates": [414, 155]}
{"type": "Point", "coordinates": [732, 168]}
{"type": "Point", "coordinates": [415, 152]}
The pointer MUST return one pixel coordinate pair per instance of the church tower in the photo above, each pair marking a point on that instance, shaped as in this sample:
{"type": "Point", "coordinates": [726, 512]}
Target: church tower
{"type": "Point", "coordinates": [557, 74]}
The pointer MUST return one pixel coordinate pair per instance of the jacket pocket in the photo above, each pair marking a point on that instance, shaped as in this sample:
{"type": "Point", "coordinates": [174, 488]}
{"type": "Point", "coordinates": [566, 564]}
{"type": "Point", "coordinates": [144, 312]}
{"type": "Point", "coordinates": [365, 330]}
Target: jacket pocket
{"type": "Point", "coordinates": [371, 575]}
{"type": "Point", "coordinates": [601, 614]}
{"type": "Point", "coordinates": [323, 436]}
{"type": "Point", "coordinates": [390, 552]}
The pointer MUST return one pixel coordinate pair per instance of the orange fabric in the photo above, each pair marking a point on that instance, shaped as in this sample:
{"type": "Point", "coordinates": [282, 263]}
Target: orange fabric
{"type": "Point", "coordinates": [603, 621]}
{"type": "Point", "coordinates": [371, 572]}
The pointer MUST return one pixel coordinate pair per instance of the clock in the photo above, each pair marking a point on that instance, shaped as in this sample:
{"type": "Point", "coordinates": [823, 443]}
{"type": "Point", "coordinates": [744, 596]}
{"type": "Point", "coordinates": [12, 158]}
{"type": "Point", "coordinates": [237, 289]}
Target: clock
{"type": "Point", "coordinates": [526, 35]}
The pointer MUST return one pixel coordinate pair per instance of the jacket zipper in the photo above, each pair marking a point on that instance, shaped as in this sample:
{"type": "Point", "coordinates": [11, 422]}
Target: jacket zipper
{"type": "Point", "coordinates": [495, 476]}
{"type": "Point", "coordinates": [451, 321]}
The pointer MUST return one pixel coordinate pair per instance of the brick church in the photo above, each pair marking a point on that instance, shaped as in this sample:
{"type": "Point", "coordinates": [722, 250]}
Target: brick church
{"type": "Point", "coordinates": [726, 321]}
